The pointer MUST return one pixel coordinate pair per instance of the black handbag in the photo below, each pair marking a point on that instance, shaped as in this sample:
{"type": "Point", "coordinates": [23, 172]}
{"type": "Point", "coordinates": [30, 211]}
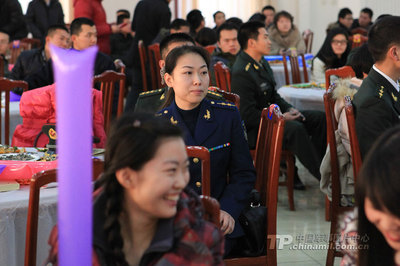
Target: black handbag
{"type": "Point", "coordinates": [253, 220]}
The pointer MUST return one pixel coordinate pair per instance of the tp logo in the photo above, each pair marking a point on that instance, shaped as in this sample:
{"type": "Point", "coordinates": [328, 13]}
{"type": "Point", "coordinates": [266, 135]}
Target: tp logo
{"type": "Point", "coordinates": [281, 240]}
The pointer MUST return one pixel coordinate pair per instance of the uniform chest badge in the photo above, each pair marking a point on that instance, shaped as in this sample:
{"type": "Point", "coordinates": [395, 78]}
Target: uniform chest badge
{"type": "Point", "coordinates": [207, 116]}
{"type": "Point", "coordinates": [394, 97]}
{"type": "Point", "coordinates": [174, 122]}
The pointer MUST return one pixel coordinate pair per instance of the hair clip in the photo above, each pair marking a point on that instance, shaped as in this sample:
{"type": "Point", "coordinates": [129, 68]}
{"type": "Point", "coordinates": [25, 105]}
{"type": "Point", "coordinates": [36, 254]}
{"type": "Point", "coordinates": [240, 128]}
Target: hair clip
{"type": "Point", "coordinates": [136, 123]}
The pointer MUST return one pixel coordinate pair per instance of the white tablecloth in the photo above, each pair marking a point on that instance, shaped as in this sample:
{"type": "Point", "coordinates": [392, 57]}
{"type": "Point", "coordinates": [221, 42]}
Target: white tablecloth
{"type": "Point", "coordinates": [279, 74]}
{"type": "Point", "coordinates": [13, 216]}
{"type": "Point", "coordinates": [304, 99]}
{"type": "Point", "coordinates": [15, 119]}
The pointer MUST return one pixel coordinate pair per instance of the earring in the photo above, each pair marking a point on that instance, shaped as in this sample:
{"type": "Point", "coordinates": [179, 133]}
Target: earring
{"type": "Point", "coordinates": [162, 73]}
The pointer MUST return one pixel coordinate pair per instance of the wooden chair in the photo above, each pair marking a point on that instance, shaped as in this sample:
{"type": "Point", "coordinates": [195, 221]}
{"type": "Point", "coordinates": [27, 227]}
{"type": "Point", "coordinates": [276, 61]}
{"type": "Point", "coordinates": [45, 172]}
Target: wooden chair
{"type": "Point", "coordinates": [32, 42]}
{"type": "Point", "coordinates": [308, 37]}
{"type": "Point", "coordinates": [210, 48]}
{"type": "Point", "coordinates": [354, 146]}
{"type": "Point", "coordinates": [295, 69]}
{"type": "Point", "coordinates": [16, 47]}
{"type": "Point", "coordinates": [211, 209]}
{"type": "Point", "coordinates": [341, 72]}
{"type": "Point", "coordinates": [154, 58]}
{"type": "Point", "coordinates": [143, 62]}
{"type": "Point", "coordinates": [107, 82]}
{"type": "Point", "coordinates": [229, 96]}
{"type": "Point", "coordinates": [38, 180]}
{"type": "Point", "coordinates": [357, 40]}
{"type": "Point", "coordinates": [6, 86]}
{"type": "Point", "coordinates": [359, 30]}
{"type": "Point", "coordinates": [201, 153]}
{"type": "Point", "coordinates": [267, 163]}
{"type": "Point", "coordinates": [2, 66]}
{"type": "Point", "coordinates": [222, 76]}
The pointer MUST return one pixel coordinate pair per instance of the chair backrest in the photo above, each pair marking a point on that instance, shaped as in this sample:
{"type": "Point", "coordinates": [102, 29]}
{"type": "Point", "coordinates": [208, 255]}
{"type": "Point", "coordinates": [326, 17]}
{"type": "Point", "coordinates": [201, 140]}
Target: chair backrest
{"type": "Point", "coordinates": [359, 30]}
{"type": "Point", "coordinates": [107, 82]}
{"type": "Point", "coordinates": [202, 153]}
{"type": "Point", "coordinates": [357, 40]}
{"type": "Point", "coordinates": [295, 69]}
{"type": "Point", "coordinates": [6, 86]}
{"type": "Point", "coordinates": [341, 72]}
{"type": "Point", "coordinates": [354, 146]}
{"type": "Point", "coordinates": [229, 96]}
{"type": "Point", "coordinates": [267, 164]}
{"type": "Point", "coordinates": [2, 67]}
{"type": "Point", "coordinates": [32, 42]}
{"type": "Point", "coordinates": [211, 209]}
{"type": "Point", "coordinates": [154, 58]}
{"type": "Point", "coordinates": [38, 180]}
{"type": "Point", "coordinates": [222, 76]}
{"type": "Point", "coordinates": [308, 37]}
{"type": "Point", "coordinates": [210, 48]}
{"type": "Point", "coordinates": [143, 62]}
{"type": "Point", "coordinates": [16, 47]}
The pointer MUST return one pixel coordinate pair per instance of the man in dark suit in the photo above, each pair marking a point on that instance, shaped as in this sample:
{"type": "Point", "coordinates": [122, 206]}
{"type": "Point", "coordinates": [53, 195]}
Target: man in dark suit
{"type": "Point", "coordinates": [377, 102]}
{"type": "Point", "coordinates": [253, 81]}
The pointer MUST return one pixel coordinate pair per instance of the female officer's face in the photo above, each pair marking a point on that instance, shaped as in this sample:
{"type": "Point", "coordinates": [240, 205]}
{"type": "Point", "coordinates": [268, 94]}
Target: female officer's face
{"type": "Point", "coordinates": [190, 81]}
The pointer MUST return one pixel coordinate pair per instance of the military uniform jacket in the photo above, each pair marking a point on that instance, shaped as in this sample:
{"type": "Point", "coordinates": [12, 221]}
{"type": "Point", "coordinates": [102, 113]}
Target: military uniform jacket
{"type": "Point", "coordinates": [219, 123]}
{"type": "Point", "coordinates": [255, 84]}
{"type": "Point", "coordinates": [377, 106]}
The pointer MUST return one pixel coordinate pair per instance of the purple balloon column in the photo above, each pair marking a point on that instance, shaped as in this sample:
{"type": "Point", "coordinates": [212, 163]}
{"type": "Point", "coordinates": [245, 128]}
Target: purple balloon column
{"type": "Point", "coordinates": [73, 72]}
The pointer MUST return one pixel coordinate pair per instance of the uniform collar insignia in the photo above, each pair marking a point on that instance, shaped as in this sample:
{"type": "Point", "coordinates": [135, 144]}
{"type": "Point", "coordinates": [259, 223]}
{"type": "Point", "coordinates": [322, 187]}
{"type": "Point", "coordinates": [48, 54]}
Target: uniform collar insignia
{"type": "Point", "coordinates": [207, 116]}
{"type": "Point", "coordinates": [394, 97]}
{"type": "Point", "coordinates": [248, 66]}
{"type": "Point", "coordinates": [162, 96]}
{"type": "Point", "coordinates": [256, 67]}
{"type": "Point", "coordinates": [381, 92]}
{"type": "Point", "coordinates": [174, 122]}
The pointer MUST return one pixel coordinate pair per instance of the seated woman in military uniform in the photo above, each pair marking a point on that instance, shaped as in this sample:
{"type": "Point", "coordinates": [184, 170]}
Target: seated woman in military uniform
{"type": "Point", "coordinates": [217, 126]}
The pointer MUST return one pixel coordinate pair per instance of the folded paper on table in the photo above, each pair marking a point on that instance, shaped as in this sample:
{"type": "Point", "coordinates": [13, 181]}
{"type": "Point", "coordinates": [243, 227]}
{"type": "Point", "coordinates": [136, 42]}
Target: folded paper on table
{"type": "Point", "coordinates": [23, 171]}
{"type": "Point", "coordinates": [8, 186]}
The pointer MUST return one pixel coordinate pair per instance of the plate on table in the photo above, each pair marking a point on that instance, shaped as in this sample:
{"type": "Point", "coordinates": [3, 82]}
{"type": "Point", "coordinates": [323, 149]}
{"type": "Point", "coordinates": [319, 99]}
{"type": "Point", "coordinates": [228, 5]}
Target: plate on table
{"type": "Point", "coordinates": [26, 157]}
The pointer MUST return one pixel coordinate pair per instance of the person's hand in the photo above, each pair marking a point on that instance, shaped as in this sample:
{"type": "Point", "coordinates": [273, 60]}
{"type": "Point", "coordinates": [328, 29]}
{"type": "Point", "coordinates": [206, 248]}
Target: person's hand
{"type": "Point", "coordinates": [227, 222]}
{"type": "Point", "coordinates": [115, 28]}
{"type": "Point", "coordinates": [293, 114]}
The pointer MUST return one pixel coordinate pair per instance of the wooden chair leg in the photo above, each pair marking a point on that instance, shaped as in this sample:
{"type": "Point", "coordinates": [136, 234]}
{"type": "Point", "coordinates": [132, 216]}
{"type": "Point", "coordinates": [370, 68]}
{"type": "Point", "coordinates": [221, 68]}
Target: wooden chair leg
{"type": "Point", "coordinates": [290, 179]}
{"type": "Point", "coordinates": [327, 209]}
{"type": "Point", "coordinates": [330, 257]}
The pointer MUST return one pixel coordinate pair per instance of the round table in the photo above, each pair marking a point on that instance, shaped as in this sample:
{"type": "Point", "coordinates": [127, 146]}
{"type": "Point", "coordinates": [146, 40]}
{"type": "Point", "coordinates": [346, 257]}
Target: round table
{"type": "Point", "coordinates": [13, 217]}
{"type": "Point", "coordinates": [304, 98]}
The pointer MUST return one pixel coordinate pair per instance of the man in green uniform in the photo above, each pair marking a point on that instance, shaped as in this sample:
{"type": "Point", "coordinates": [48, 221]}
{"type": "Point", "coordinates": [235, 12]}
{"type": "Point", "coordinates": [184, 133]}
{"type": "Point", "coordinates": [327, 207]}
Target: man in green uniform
{"type": "Point", "coordinates": [151, 101]}
{"type": "Point", "coordinates": [377, 102]}
{"type": "Point", "coordinates": [253, 81]}
{"type": "Point", "coordinates": [227, 50]}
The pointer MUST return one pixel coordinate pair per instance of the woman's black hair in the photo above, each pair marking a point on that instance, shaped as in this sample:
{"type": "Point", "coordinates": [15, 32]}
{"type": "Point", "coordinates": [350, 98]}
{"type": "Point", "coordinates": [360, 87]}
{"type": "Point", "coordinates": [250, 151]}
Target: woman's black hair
{"type": "Point", "coordinates": [172, 59]}
{"type": "Point", "coordinates": [133, 141]}
{"type": "Point", "coordinates": [360, 59]}
{"type": "Point", "coordinates": [379, 182]}
{"type": "Point", "coordinates": [326, 54]}
{"type": "Point", "coordinates": [280, 14]}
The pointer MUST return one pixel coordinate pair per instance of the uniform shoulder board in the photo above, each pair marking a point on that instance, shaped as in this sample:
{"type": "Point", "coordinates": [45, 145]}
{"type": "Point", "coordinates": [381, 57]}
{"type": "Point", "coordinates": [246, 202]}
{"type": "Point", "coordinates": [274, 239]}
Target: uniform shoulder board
{"type": "Point", "coordinates": [213, 94]}
{"type": "Point", "coordinates": [223, 104]}
{"type": "Point", "coordinates": [152, 92]}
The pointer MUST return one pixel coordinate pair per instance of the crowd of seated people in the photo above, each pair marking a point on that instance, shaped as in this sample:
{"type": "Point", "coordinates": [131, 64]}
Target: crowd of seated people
{"type": "Point", "coordinates": [186, 69]}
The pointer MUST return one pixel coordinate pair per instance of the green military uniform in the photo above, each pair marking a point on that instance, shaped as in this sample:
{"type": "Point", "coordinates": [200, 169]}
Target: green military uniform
{"type": "Point", "coordinates": [227, 58]}
{"type": "Point", "coordinates": [377, 106]}
{"type": "Point", "coordinates": [151, 101]}
{"type": "Point", "coordinates": [254, 83]}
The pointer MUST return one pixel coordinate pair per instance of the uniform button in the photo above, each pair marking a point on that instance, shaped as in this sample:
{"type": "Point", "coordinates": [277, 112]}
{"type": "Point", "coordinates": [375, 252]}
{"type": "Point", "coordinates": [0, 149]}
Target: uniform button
{"type": "Point", "coordinates": [195, 160]}
{"type": "Point", "coordinates": [198, 184]}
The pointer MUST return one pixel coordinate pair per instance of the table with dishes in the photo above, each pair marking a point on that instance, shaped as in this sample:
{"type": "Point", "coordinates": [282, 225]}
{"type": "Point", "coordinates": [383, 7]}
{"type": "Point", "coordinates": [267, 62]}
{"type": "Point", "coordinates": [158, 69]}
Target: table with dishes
{"type": "Point", "coordinates": [304, 96]}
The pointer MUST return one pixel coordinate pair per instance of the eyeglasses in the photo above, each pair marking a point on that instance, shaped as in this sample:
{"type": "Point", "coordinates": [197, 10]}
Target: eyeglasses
{"type": "Point", "coordinates": [336, 42]}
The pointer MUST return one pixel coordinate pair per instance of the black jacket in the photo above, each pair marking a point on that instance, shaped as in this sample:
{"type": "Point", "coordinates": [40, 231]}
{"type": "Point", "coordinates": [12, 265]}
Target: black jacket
{"type": "Point", "coordinates": [12, 20]}
{"type": "Point", "coordinates": [120, 45]}
{"type": "Point", "coordinates": [39, 17]}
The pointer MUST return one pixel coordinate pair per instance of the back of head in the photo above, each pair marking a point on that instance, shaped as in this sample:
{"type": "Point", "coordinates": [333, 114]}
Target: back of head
{"type": "Point", "coordinates": [257, 17]}
{"type": "Point", "coordinates": [52, 29]}
{"type": "Point", "coordinates": [249, 30]}
{"type": "Point", "coordinates": [76, 25]}
{"type": "Point", "coordinates": [344, 12]}
{"type": "Point", "coordinates": [194, 18]}
{"type": "Point", "coordinates": [379, 182]}
{"type": "Point", "coordinates": [235, 20]}
{"type": "Point", "coordinates": [226, 26]}
{"type": "Point", "coordinates": [176, 24]}
{"type": "Point", "coordinates": [361, 61]}
{"type": "Point", "coordinates": [174, 38]}
{"type": "Point", "coordinates": [381, 36]}
{"type": "Point", "coordinates": [206, 36]}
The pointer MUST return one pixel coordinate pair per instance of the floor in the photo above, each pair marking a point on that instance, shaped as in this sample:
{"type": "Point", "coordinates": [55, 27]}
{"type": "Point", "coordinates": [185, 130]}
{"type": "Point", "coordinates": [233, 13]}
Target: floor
{"type": "Point", "coordinates": [303, 233]}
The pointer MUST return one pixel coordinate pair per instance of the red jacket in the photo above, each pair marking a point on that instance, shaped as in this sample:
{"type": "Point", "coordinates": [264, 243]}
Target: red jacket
{"type": "Point", "coordinates": [94, 10]}
{"type": "Point", "coordinates": [38, 107]}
